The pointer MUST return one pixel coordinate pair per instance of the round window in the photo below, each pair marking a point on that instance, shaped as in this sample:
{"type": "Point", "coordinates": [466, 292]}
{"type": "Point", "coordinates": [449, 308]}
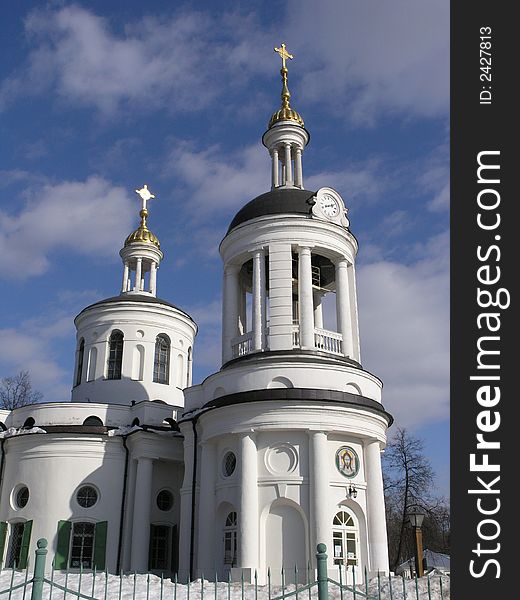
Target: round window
{"type": "Point", "coordinates": [229, 464]}
{"type": "Point", "coordinates": [87, 496]}
{"type": "Point", "coordinates": [165, 500]}
{"type": "Point", "coordinates": [22, 497]}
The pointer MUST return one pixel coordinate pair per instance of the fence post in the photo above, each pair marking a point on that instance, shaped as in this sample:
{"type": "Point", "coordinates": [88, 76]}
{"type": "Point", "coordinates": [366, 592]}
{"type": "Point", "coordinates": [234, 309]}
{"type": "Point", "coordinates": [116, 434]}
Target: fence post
{"type": "Point", "coordinates": [321, 562]}
{"type": "Point", "coordinates": [39, 569]}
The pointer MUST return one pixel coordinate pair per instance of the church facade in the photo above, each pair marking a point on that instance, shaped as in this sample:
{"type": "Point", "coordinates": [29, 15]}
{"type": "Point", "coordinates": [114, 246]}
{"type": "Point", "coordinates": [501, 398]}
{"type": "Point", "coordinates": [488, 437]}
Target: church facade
{"type": "Point", "coordinates": [276, 452]}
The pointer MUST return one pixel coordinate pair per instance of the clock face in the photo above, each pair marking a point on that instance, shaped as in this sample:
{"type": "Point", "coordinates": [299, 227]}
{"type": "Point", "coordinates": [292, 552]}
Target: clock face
{"type": "Point", "coordinates": [329, 205]}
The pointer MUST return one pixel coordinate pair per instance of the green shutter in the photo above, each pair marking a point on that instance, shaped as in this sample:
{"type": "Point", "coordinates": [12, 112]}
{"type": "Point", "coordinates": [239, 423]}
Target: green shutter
{"type": "Point", "coordinates": [3, 534]}
{"type": "Point", "coordinates": [100, 545]}
{"type": "Point", "coordinates": [62, 550]}
{"type": "Point", "coordinates": [26, 541]}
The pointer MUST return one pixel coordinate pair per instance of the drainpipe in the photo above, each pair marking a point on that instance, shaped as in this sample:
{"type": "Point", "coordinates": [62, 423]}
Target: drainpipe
{"type": "Point", "coordinates": [2, 462]}
{"type": "Point", "coordinates": [123, 503]}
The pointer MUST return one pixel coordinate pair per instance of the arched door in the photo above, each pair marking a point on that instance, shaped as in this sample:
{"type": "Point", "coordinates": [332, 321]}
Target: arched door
{"type": "Point", "coordinates": [345, 540]}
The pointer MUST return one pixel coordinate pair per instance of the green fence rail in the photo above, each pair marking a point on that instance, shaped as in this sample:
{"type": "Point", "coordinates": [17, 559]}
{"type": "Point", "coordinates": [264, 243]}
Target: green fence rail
{"type": "Point", "coordinates": [91, 585]}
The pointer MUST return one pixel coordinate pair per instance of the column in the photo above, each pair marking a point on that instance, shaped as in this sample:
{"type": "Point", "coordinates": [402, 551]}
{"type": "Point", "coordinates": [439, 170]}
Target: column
{"type": "Point", "coordinates": [124, 285]}
{"type": "Point", "coordinates": [248, 510]}
{"type": "Point", "coordinates": [229, 310]}
{"type": "Point", "coordinates": [319, 487]}
{"type": "Point", "coordinates": [305, 298]}
{"type": "Point", "coordinates": [343, 314]}
{"type": "Point", "coordinates": [153, 278]}
{"type": "Point", "coordinates": [288, 165]}
{"type": "Point", "coordinates": [138, 270]}
{"type": "Point", "coordinates": [318, 310]}
{"type": "Point", "coordinates": [258, 309]}
{"type": "Point", "coordinates": [242, 308]}
{"type": "Point", "coordinates": [274, 168]}
{"type": "Point", "coordinates": [141, 521]}
{"type": "Point", "coordinates": [354, 315]}
{"type": "Point", "coordinates": [207, 555]}
{"type": "Point", "coordinates": [377, 538]}
{"type": "Point", "coordinates": [298, 174]}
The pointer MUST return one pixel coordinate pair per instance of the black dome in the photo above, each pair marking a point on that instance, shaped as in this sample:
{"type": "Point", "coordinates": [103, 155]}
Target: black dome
{"type": "Point", "coordinates": [280, 201]}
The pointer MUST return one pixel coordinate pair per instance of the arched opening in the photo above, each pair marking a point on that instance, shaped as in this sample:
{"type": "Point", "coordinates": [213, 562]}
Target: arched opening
{"type": "Point", "coordinates": [229, 531]}
{"type": "Point", "coordinates": [138, 363]}
{"type": "Point", "coordinates": [115, 355]}
{"type": "Point", "coordinates": [161, 365]}
{"type": "Point", "coordinates": [345, 539]}
{"type": "Point", "coordinates": [136, 422]}
{"type": "Point", "coordinates": [79, 362]}
{"type": "Point", "coordinates": [92, 361]}
{"type": "Point", "coordinates": [28, 423]}
{"type": "Point", "coordinates": [93, 421]}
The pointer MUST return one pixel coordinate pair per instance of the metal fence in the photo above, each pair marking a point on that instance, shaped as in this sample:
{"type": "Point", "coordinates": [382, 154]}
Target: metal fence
{"type": "Point", "coordinates": [92, 585]}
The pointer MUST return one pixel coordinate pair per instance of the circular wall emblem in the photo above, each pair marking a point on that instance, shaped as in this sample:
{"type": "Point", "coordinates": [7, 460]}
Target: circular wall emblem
{"type": "Point", "coordinates": [347, 461]}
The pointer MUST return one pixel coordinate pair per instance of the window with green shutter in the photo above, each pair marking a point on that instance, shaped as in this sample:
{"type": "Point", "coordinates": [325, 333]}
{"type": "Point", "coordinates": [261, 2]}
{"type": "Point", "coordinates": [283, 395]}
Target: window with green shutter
{"type": "Point", "coordinates": [26, 542]}
{"type": "Point", "coordinates": [62, 550]}
{"type": "Point", "coordinates": [100, 545]}
{"type": "Point", "coordinates": [3, 535]}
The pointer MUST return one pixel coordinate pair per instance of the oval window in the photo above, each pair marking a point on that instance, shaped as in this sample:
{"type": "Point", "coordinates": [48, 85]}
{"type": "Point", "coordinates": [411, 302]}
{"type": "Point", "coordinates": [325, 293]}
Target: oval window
{"type": "Point", "coordinates": [22, 497]}
{"type": "Point", "coordinates": [86, 496]}
{"type": "Point", "coordinates": [229, 464]}
{"type": "Point", "coordinates": [165, 500]}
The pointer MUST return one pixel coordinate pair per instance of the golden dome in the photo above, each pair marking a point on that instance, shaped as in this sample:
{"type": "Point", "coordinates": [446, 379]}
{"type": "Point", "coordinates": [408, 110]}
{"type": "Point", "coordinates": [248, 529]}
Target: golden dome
{"type": "Point", "coordinates": [286, 114]}
{"type": "Point", "coordinates": [142, 234]}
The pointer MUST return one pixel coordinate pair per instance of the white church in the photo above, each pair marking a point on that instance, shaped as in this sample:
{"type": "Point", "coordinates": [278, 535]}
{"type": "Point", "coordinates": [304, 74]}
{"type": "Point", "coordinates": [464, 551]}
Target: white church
{"type": "Point", "coordinates": [276, 452]}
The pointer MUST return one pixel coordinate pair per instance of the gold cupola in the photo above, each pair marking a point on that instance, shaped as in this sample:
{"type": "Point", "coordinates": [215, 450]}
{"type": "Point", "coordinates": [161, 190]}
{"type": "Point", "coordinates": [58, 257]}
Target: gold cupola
{"type": "Point", "coordinates": [142, 233]}
{"type": "Point", "coordinates": [285, 113]}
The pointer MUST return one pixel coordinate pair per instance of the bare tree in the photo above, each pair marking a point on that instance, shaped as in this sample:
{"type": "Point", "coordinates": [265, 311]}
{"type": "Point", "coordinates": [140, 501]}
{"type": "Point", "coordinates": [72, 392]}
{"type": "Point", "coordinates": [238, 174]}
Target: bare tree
{"type": "Point", "coordinates": [17, 391]}
{"type": "Point", "coordinates": [408, 479]}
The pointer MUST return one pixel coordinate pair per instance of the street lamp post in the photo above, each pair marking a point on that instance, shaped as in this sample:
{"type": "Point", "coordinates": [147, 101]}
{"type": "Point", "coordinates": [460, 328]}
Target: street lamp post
{"type": "Point", "coordinates": [415, 517]}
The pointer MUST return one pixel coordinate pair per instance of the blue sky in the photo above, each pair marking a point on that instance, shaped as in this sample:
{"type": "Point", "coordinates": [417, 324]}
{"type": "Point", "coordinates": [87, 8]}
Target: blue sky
{"type": "Point", "coordinates": [97, 98]}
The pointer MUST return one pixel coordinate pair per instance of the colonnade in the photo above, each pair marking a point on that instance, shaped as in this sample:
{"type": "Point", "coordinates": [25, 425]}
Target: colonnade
{"type": "Point", "coordinates": [282, 158]}
{"type": "Point", "coordinates": [281, 320]}
{"type": "Point", "coordinates": [140, 271]}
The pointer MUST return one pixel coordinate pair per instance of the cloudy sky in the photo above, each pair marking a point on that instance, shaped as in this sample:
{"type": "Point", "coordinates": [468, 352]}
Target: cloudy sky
{"type": "Point", "coordinates": [97, 98]}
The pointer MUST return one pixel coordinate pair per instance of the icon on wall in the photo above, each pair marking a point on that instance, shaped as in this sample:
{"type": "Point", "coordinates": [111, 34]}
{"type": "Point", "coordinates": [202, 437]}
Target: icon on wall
{"type": "Point", "coordinates": [347, 461]}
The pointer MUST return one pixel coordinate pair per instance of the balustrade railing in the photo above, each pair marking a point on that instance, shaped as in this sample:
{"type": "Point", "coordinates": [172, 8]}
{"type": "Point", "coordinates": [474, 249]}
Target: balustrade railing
{"type": "Point", "coordinates": [242, 345]}
{"type": "Point", "coordinates": [328, 341]}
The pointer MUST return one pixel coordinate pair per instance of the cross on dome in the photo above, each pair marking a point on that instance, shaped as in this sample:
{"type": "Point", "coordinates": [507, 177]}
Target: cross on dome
{"type": "Point", "coordinates": [284, 55]}
{"type": "Point", "coordinates": [145, 195]}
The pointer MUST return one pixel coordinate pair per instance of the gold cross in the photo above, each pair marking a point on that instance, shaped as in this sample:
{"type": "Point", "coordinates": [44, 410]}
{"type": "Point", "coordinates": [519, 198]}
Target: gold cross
{"type": "Point", "coordinates": [284, 55]}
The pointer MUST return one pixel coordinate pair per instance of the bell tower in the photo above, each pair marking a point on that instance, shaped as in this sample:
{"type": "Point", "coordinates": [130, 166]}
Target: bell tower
{"type": "Point", "coordinates": [286, 436]}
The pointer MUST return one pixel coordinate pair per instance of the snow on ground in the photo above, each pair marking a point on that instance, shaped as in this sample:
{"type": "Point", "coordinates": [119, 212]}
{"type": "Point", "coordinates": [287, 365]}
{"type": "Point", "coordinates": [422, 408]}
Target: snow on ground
{"type": "Point", "coordinates": [144, 587]}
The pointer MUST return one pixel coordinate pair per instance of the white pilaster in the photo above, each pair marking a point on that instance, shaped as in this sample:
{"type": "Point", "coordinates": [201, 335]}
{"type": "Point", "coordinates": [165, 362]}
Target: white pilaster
{"type": "Point", "coordinates": [377, 537]}
{"type": "Point", "coordinates": [298, 173]}
{"type": "Point", "coordinates": [138, 271]}
{"type": "Point", "coordinates": [258, 309]}
{"type": "Point", "coordinates": [280, 296]}
{"type": "Point", "coordinates": [343, 313]}
{"type": "Point", "coordinates": [319, 485]}
{"type": "Point", "coordinates": [141, 521]}
{"type": "Point", "coordinates": [305, 298]}
{"type": "Point", "coordinates": [248, 511]}
{"type": "Point", "coordinates": [275, 168]}
{"type": "Point", "coordinates": [186, 502]}
{"type": "Point", "coordinates": [153, 278]}
{"type": "Point", "coordinates": [207, 554]}
{"type": "Point", "coordinates": [354, 313]}
{"type": "Point", "coordinates": [230, 309]}
{"type": "Point", "coordinates": [288, 165]}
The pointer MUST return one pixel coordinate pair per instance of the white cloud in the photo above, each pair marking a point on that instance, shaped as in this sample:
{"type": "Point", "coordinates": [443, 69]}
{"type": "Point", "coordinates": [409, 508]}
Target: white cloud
{"type": "Point", "coordinates": [81, 217]}
{"type": "Point", "coordinates": [404, 328]}
{"type": "Point", "coordinates": [373, 56]}
{"type": "Point", "coordinates": [154, 62]}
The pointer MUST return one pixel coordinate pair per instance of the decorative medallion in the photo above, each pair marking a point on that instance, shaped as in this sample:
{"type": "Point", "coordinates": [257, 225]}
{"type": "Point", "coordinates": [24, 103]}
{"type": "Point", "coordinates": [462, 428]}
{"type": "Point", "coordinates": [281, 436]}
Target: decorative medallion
{"type": "Point", "coordinates": [347, 461]}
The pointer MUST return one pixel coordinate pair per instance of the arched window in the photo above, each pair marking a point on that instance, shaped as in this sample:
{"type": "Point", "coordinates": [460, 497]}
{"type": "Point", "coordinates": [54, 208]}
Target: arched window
{"type": "Point", "coordinates": [344, 539]}
{"type": "Point", "coordinates": [29, 423]}
{"type": "Point", "coordinates": [161, 365]}
{"type": "Point", "coordinates": [79, 368]}
{"type": "Point", "coordinates": [115, 355]}
{"type": "Point", "coordinates": [230, 539]}
{"type": "Point", "coordinates": [93, 421]}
